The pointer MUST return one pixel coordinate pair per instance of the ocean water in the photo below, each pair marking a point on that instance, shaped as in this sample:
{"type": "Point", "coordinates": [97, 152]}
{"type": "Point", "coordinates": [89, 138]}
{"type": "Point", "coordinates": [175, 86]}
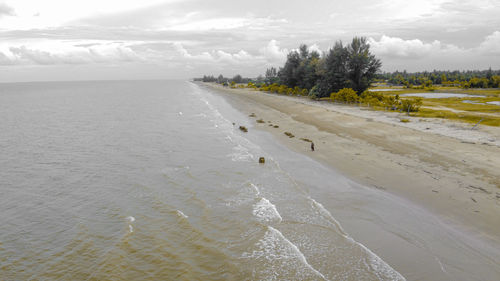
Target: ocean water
{"type": "Point", "coordinates": [151, 180]}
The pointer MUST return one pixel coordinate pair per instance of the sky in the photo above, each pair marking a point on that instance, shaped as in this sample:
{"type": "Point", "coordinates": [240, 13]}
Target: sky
{"type": "Point", "coordinates": [54, 40]}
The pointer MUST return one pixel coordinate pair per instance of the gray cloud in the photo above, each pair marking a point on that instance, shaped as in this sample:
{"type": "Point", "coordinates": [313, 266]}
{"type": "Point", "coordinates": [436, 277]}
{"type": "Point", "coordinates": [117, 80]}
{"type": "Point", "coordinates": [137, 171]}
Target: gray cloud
{"type": "Point", "coordinates": [93, 54]}
{"type": "Point", "coordinates": [6, 10]}
{"type": "Point", "coordinates": [196, 36]}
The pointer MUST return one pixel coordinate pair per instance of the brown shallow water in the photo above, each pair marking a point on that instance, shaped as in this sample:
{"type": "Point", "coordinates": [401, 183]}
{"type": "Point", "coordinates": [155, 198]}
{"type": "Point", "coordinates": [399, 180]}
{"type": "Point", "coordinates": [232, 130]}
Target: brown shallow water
{"type": "Point", "coordinates": [150, 180]}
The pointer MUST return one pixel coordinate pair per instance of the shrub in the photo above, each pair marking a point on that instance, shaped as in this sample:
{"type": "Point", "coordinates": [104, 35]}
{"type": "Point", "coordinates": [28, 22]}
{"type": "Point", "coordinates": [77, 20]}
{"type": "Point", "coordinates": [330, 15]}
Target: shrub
{"type": "Point", "coordinates": [346, 95]}
{"type": "Point", "coordinates": [274, 88]}
{"type": "Point", "coordinates": [282, 89]}
{"type": "Point", "coordinates": [411, 105]}
{"type": "Point", "coordinates": [314, 93]}
{"type": "Point", "coordinates": [391, 102]}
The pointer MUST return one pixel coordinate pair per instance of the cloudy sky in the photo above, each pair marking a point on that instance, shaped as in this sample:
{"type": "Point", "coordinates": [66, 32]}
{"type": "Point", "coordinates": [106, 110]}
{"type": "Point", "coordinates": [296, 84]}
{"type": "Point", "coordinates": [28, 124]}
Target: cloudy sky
{"type": "Point", "coordinates": [158, 39]}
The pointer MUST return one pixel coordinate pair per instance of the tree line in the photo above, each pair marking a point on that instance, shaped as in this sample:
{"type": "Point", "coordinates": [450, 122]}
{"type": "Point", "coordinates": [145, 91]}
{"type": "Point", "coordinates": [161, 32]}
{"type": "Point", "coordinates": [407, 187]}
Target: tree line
{"type": "Point", "coordinates": [465, 79]}
{"type": "Point", "coordinates": [238, 79]}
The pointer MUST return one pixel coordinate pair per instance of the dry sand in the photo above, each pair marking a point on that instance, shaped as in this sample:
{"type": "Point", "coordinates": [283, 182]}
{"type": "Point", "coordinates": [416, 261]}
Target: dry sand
{"type": "Point", "coordinates": [444, 166]}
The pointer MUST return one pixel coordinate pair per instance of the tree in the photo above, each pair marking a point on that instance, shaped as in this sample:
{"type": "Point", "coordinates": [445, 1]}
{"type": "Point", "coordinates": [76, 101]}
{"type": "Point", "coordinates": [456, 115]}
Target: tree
{"type": "Point", "coordinates": [220, 79]}
{"type": "Point", "coordinates": [332, 71]}
{"type": "Point", "coordinates": [288, 74]}
{"type": "Point", "coordinates": [271, 75]}
{"type": "Point", "coordinates": [237, 79]}
{"type": "Point", "coordinates": [311, 74]}
{"type": "Point", "coordinates": [362, 65]}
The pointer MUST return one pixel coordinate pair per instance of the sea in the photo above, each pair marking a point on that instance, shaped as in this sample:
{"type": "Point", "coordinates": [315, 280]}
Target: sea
{"type": "Point", "coordinates": [153, 180]}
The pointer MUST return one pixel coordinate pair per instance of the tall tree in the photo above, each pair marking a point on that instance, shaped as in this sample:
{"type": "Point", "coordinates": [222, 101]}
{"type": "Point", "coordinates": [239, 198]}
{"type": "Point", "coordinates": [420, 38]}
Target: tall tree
{"type": "Point", "coordinates": [288, 74]}
{"type": "Point", "coordinates": [310, 70]}
{"type": "Point", "coordinates": [362, 65]}
{"type": "Point", "coordinates": [237, 79]}
{"type": "Point", "coordinates": [271, 75]}
{"type": "Point", "coordinates": [333, 70]}
{"type": "Point", "coordinates": [220, 79]}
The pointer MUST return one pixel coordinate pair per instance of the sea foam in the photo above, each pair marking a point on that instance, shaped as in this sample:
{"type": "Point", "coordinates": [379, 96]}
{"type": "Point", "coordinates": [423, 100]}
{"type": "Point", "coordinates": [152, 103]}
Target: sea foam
{"type": "Point", "coordinates": [181, 214]}
{"type": "Point", "coordinates": [282, 256]}
{"type": "Point", "coordinates": [381, 269]}
{"type": "Point", "coordinates": [266, 212]}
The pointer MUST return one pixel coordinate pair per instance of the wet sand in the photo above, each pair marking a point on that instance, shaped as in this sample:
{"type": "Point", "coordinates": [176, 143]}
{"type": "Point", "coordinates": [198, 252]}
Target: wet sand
{"type": "Point", "coordinates": [453, 177]}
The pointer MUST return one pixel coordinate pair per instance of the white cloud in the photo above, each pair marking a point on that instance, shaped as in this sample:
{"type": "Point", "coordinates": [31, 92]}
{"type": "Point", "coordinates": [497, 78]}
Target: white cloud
{"type": "Point", "coordinates": [315, 47]}
{"type": "Point", "coordinates": [60, 53]}
{"type": "Point", "coordinates": [394, 47]}
{"type": "Point", "coordinates": [219, 56]}
{"type": "Point", "coordinates": [397, 47]}
{"type": "Point", "coordinates": [491, 44]}
{"type": "Point", "coordinates": [415, 54]}
{"type": "Point", "coordinates": [273, 53]}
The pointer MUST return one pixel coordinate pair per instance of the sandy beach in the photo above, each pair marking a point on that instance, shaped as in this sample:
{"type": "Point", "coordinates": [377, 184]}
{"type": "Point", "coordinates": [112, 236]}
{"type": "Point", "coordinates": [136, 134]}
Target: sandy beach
{"type": "Point", "coordinates": [443, 166]}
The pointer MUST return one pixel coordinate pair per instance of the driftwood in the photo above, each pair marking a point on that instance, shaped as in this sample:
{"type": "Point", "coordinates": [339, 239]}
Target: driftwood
{"type": "Point", "coordinates": [477, 124]}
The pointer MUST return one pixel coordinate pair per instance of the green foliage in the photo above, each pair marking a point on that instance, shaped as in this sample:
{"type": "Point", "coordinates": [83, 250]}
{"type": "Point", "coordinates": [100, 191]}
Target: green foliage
{"type": "Point", "coordinates": [314, 93]}
{"type": "Point", "coordinates": [350, 66]}
{"type": "Point", "coordinates": [361, 64]}
{"type": "Point", "coordinates": [411, 105]}
{"type": "Point", "coordinates": [251, 85]}
{"type": "Point", "coordinates": [237, 79]}
{"type": "Point", "coordinates": [464, 117]}
{"type": "Point", "coordinates": [345, 95]}
{"type": "Point", "coordinates": [271, 75]}
{"type": "Point", "coordinates": [333, 71]}
{"type": "Point", "coordinates": [282, 89]}
{"type": "Point", "coordinates": [372, 98]}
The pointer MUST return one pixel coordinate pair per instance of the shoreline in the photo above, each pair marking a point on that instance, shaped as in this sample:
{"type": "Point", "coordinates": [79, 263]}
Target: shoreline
{"type": "Point", "coordinates": [455, 179]}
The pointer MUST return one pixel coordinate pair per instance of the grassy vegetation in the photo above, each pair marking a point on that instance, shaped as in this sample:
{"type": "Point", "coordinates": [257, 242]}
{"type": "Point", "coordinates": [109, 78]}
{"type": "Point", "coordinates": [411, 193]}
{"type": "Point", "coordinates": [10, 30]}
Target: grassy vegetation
{"type": "Point", "coordinates": [458, 104]}
{"type": "Point", "coordinates": [463, 117]}
{"type": "Point", "coordinates": [455, 108]}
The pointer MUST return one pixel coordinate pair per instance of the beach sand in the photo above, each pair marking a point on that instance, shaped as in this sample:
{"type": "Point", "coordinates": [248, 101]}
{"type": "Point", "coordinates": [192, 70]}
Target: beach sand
{"type": "Point", "coordinates": [445, 167]}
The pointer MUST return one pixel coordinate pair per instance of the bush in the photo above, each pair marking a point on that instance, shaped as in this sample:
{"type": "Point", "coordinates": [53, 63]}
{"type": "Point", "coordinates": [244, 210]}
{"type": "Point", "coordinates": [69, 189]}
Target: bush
{"type": "Point", "coordinates": [391, 102]}
{"type": "Point", "coordinates": [274, 88]}
{"type": "Point", "coordinates": [411, 105]}
{"type": "Point", "coordinates": [251, 85]}
{"type": "Point", "coordinates": [314, 93]}
{"type": "Point", "coordinates": [282, 89]}
{"type": "Point", "coordinates": [346, 95]}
